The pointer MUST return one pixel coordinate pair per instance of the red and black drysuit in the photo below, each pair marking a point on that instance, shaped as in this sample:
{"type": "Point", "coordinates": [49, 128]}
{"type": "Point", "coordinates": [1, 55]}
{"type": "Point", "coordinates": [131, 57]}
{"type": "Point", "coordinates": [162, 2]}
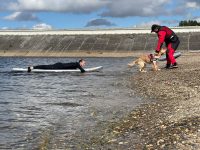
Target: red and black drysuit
{"type": "Point", "coordinates": [171, 40]}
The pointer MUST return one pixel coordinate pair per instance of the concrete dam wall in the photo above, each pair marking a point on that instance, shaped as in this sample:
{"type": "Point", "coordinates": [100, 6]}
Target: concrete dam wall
{"type": "Point", "coordinates": [27, 45]}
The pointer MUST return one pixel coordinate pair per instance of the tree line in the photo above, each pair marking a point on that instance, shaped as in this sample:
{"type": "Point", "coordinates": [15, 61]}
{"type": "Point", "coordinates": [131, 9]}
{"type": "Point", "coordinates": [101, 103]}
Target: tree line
{"type": "Point", "coordinates": [189, 23]}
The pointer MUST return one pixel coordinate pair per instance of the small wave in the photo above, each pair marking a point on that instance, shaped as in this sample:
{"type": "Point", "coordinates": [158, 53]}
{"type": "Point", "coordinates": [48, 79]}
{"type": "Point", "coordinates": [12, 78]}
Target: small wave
{"type": "Point", "coordinates": [64, 104]}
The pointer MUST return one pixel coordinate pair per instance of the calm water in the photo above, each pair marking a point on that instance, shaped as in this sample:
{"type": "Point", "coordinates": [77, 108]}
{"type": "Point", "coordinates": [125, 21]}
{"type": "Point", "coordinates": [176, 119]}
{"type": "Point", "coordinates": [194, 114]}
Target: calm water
{"type": "Point", "coordinates": [39, 110]}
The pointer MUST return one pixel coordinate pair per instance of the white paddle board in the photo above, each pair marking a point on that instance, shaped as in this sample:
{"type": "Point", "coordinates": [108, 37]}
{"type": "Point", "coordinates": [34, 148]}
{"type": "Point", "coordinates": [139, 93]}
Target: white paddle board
{"type": "Point", "coordinates": [56, 70]}
{"type": "Point", "coordinates": [176, 55]}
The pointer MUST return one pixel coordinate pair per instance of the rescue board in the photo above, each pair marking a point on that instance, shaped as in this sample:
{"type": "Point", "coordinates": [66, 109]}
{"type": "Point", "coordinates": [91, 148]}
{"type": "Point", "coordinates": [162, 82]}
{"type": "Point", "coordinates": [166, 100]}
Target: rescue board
{"type": "Point", "coordinates": [176, 55]}
{"type": "Point", "coordinates": [57, 70]}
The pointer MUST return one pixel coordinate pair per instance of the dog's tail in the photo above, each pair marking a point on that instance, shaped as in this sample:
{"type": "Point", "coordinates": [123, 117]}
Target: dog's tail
{"type": "Point", "coordinates": [133, 63]}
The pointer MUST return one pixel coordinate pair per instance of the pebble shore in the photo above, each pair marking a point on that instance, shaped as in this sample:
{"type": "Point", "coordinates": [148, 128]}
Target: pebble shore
{"type": "Point", "coordinates": [171, 120]}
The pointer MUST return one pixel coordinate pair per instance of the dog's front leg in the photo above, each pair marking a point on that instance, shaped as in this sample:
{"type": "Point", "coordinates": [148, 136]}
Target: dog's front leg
{"type": "Point", "coordinates": [155, 66]}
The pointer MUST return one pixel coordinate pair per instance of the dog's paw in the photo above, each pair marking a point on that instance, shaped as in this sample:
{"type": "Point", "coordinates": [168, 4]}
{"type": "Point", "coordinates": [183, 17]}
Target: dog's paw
{"type": "Point", "coordinates": [158, 69]}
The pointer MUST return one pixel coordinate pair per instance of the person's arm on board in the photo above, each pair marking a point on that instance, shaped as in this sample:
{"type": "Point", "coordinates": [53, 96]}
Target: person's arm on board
{"type": "Point", "coordinates": [79, 67]}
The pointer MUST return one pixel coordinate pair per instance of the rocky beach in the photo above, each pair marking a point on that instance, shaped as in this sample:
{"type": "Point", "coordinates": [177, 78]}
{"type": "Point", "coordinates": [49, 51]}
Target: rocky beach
{"type": "Point", "coordinates": [170, 121]}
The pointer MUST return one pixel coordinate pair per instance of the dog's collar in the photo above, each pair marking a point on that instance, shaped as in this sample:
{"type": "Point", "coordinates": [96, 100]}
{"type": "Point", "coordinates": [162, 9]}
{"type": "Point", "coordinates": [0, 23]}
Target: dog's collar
{"type": "Point", "coordinates": [152, 58]}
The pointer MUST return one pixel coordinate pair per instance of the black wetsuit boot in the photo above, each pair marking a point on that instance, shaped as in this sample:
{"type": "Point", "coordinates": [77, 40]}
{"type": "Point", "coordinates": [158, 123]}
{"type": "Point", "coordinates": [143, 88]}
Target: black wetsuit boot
{"type": "Point", "coordinates": [168, 66]}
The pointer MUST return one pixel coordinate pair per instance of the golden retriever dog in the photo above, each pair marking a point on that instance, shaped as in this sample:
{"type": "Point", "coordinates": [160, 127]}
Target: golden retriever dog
{"type": "Point", "coordinates": [146, 59]}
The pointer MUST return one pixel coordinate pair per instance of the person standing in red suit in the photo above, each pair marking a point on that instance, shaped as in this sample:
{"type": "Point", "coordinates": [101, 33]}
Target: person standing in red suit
{"type": "Point", "coordinates": [171, 40]}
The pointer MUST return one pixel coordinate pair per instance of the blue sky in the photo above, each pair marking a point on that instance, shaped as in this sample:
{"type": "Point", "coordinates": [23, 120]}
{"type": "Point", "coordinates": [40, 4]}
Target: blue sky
{"type": "Point", "coordinates": [86, 14]}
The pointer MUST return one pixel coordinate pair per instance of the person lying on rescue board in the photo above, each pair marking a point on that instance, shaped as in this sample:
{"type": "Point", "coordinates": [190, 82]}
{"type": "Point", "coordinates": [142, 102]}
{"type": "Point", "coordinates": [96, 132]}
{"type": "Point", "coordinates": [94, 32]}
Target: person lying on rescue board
{"type": "Point", "coordinates": [59, 65]}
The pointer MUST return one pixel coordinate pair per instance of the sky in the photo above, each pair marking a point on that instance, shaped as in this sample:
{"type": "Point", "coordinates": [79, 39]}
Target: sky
{"type": "Point", "coordinates": [93, 14]}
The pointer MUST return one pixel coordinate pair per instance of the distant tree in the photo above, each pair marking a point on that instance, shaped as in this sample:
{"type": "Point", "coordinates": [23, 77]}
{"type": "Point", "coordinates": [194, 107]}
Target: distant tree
{"type": "Point", "coordinates": [189, 23]}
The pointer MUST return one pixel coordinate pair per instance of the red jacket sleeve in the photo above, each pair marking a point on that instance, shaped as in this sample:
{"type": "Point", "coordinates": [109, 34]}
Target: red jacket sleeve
{"type": "Point", "coordinates": [161, 36]}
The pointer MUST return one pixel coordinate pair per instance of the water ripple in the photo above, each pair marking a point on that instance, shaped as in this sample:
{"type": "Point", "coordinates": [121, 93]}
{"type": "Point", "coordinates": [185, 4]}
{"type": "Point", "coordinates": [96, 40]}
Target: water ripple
{"type": "Point", "coordinates": [41, 110]}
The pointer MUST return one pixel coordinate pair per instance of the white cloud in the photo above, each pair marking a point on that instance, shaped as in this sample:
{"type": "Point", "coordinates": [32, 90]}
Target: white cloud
{"type": "Point", "coordinates": [198, 19]}
{"type": "Point", "coordinates": [41, 26]}
{"type": "Point", "coordinates": [113, 8]}
{"type": "Point", "coordinates": [141, 8]}
{"type": "Point", "coordinates": [189, 4]}
{"type": "Point", "coordinates": [21, 16]}
{"type": "Point", "coordinates": [5, 28]}
{"type": "Point", "coordinates": [192, 5]}
{"type": "Point", "coordinates": [188, 16]}
{"type": "Point", "coordinates": [75, 6]}
{"type": "Point", "coordinates": [24, 27]}
{"type": "Point", "coordinates": [150, 23]}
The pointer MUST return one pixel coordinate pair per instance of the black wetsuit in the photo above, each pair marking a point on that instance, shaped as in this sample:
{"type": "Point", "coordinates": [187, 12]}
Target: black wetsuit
{"type": "Point", "coordinates": [59, 65]}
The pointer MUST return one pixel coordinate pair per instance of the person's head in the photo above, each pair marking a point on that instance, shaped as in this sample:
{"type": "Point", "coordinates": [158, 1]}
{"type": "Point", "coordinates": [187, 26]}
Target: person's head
{"type": "Point", "coordinates": [82, 62]}
{"type": "Point", "coordinates": [154, 28]}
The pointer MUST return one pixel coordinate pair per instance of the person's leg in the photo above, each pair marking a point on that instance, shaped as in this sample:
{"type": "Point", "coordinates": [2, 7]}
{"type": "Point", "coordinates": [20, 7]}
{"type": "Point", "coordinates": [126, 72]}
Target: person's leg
{"type": "Point", "coordinates": [54, 66]}
{"type": "Point", "coordinates": [167, 57]}
{"type": "Point", "coordinates": [40, 67]}
{"type": "Point", "coordinates": [173, 47]}
{"type": "Point", "coordinates": [171, 59]}
{"type": "Point", "coordinates": [43, 67]}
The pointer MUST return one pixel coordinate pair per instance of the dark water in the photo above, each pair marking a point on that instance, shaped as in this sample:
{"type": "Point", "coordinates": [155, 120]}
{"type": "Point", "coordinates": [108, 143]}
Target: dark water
{"type": "Point", "coordinates": [39, 110]}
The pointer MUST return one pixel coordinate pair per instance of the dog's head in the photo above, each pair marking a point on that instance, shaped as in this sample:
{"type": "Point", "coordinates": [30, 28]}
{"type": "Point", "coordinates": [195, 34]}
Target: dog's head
{"type": "Point", "coordinates": [162, 51]}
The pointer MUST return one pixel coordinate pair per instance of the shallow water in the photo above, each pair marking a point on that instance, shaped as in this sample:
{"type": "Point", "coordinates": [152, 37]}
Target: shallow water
{"type": "Point", "coordinates": [39, 110]}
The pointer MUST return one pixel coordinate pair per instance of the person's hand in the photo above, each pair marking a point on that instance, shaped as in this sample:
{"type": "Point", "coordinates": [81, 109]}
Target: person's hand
{"type": "Point", "coordinates": [155, 53]}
